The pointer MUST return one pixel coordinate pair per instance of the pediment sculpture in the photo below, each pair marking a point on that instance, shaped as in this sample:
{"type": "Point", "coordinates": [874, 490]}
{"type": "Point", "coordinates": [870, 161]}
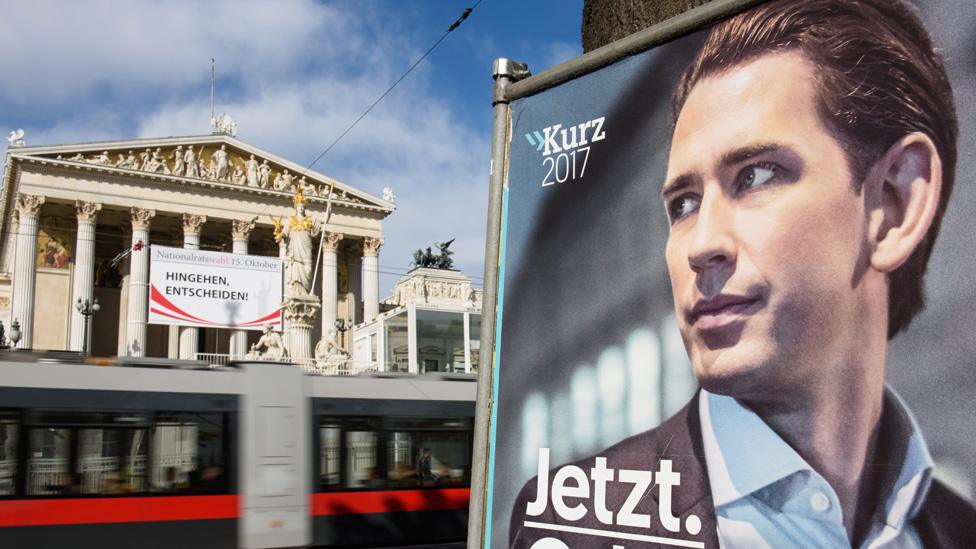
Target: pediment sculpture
{"type": "Point", "coordinates": [214, 162]}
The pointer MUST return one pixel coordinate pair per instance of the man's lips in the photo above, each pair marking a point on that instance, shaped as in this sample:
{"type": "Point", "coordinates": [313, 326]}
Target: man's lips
{"type": "Point", "coordinates": [719, 310]}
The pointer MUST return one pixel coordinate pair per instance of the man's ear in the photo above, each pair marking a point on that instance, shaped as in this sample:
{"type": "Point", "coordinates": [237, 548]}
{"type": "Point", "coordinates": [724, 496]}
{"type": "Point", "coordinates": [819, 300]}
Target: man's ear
{"type": "Point", "coordinates": [902, 196]}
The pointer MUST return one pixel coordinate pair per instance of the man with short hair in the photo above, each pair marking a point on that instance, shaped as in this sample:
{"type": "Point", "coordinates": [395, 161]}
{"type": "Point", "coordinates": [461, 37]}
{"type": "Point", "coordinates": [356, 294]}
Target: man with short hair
{"type": "Point", "coordinates": [812, 158]}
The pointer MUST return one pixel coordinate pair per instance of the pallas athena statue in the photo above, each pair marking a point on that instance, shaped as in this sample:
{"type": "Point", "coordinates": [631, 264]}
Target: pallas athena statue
{"type": "Point", "coordinates": [297, 232]}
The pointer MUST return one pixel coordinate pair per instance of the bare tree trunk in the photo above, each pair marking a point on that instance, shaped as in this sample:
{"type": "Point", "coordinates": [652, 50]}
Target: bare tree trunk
{"type": "Point", "coordinates": [607, 20]}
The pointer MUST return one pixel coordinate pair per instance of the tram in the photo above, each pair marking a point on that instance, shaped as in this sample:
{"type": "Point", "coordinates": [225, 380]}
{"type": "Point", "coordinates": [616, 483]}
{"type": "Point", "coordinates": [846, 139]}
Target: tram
{"type": "Point", "coordinates": [256, 455]}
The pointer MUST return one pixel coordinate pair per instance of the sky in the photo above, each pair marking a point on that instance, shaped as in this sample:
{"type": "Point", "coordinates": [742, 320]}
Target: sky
{"type": "Point", "coordinates": [294, 74]}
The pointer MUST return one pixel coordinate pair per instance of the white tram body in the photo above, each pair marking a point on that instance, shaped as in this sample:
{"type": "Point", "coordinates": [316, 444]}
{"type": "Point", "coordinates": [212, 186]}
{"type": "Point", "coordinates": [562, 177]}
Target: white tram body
{"type": "Point", "coordinates": [257, 455]}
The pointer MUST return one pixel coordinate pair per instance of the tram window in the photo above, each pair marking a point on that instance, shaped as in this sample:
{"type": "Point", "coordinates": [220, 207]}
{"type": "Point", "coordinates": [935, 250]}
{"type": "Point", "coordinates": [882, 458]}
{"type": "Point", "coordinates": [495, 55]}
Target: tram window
{"type": "Point", "coordinates": [361, 459]}
{"type": "Point", "coordinates": [48, 470]}
{"type": "Point", "coordinates": [111, 461]}
{"type": "Point", "coordinates": [188, 453]}
{"type": "Point", "coordinates": [330, 454]}
{"type": "Point", "coordinates": [9, 429]}
{"type": "Point", "coordinates": [428, 458]}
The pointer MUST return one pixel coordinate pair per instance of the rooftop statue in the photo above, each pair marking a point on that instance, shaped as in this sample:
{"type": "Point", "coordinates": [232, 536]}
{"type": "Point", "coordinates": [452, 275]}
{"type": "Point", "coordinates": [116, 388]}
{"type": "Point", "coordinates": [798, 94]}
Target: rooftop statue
{"type": "Point", "coordinates": [429, 260]}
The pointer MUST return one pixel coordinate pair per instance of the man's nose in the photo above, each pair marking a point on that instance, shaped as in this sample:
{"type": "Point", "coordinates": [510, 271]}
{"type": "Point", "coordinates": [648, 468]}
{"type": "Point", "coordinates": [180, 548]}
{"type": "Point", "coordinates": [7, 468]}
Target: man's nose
{"type": "Point", "coordinates": [713, 244]}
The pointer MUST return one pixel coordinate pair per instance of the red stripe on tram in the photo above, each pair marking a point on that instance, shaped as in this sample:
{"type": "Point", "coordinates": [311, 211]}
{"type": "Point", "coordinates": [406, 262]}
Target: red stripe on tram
{"type": "Point", "coordinates": [350, 503]}
{"type": "Point", "coordinates": [46, 512]}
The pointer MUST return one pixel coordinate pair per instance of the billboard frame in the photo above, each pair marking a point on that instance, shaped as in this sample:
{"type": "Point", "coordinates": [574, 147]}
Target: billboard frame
{"type": "Point", "coordinates": [513, 81]}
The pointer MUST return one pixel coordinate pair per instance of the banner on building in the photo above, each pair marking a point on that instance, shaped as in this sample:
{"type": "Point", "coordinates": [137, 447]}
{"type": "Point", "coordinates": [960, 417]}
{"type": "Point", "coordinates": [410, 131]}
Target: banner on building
{"type": "Point", "coordinates": [213, 289]}
{"type": "Point", "coordinates": [706, 241]}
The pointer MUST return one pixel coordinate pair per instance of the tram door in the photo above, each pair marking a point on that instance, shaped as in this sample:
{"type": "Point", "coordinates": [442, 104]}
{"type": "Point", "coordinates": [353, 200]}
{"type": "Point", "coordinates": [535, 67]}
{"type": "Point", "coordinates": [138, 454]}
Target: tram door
{"type": "Point", "coordinates": [275, 475]}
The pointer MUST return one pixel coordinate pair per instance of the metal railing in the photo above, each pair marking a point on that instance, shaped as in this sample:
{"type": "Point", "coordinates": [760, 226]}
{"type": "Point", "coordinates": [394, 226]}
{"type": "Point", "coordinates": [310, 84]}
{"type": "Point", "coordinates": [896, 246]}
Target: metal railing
{"type": "Point", "coordinates": [325, 368]}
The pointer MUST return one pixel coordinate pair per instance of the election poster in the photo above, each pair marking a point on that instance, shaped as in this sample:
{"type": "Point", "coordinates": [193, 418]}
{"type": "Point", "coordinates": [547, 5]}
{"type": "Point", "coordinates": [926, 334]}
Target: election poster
{"type": "Point", "coordinates": [735, 299]}
{"type": "Point", "coordinates": [213, 289]}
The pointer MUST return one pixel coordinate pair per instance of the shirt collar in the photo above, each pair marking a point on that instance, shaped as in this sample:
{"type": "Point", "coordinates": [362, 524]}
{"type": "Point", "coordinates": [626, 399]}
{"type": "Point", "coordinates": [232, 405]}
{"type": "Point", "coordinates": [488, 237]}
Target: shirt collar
{"type": "Point", "coordinates": [733, 436]}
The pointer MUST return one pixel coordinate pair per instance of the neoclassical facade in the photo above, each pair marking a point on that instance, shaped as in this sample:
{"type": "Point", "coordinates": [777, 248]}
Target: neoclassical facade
{"type": "Point", "coordinates": [78, 220]}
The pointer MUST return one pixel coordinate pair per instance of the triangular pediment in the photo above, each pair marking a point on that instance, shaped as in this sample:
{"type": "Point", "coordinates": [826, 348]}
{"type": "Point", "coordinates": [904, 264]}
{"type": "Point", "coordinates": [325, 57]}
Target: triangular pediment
{"type": "Point", "coordinates": [217, 159]}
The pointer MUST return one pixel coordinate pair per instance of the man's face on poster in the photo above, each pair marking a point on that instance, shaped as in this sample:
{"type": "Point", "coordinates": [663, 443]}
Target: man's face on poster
{"type": "Point", "coordinates": [767, 242]}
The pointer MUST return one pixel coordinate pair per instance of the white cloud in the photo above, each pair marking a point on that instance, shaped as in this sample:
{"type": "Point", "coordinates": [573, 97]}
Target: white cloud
{"type": "Point", "coordinates": [57, 51]}
{"type": "Point", "coordinates": [560, 52]}
{"type": "Point", "coordinates": [299, 74]}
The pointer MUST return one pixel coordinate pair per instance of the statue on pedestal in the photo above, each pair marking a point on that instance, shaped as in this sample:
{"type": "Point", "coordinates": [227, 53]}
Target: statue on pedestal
{"type": "Point", "coordinates": [298, 232]}
{"type": "Point", "coordinates": [328, 354]}
{"type": "Point", "coordinates": [270, 346]}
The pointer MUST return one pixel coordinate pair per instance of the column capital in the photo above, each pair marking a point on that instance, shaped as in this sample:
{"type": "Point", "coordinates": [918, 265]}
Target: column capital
{"type": "Point", "coordinates": [371, 246]}
{"type": "Point", "coordinates": [301, 311]}
{"type": "Point", "coordinates": [193, 224]}
{"type": "Point", "coordinates": [141, 218]}
{"type": "Point", "coordinates": [241, 228]}
{"type": "Point", "coordinates": [29, 204]}
{"type": "Point", "coordinates": [331, 240]}
{"type": "Point", "coordinates": [87, 211]}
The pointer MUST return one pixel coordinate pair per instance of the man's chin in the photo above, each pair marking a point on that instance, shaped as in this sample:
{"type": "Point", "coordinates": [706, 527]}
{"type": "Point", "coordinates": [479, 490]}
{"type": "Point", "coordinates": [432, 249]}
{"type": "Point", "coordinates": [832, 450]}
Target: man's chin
{"type": "Point", "coordinates": [729, 372]}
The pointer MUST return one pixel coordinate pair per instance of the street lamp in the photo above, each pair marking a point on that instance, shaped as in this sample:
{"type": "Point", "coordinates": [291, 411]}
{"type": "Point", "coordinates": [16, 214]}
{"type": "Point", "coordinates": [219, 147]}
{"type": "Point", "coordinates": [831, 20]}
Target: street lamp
{"type": "Point", "coordinates": [86, 308]}
{"type": "Point", "coordinates": [341, 328]}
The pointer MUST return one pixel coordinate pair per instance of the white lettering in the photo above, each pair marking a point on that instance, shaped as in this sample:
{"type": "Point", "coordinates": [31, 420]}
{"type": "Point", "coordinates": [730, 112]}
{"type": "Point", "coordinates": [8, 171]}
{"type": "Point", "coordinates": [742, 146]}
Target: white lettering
{"type": "Point", "coordinates": [571, 482]}
{"type": "Point", "coordinates": [582, 131]}
{"type": "Point", "coordinates": [641, 480]}
{"type": "Point", "coordinates": [550, 139]}
{"type": "Point", "coordinates": [560, 490]}
{"type": "Point", "coordinates": [666, 479]}
{"type": "Point", "coordinates": [537, 507]}
{"type": "Point", "coordinates": [598, 133]}
{"type": "Point", "coordinates": [600, 475]}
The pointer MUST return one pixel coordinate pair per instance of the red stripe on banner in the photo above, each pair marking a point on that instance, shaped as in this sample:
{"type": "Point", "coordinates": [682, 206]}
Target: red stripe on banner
{"type": "Point", "coordinates": [46, 512]}
{"type": "Point", "coordinates": [174, 311]}
{"type": "Point", "coordinates": [265, 319]}
{"type": "Point", "coordinates": [350, 503]}
{"type": "Point", "coordinates": [161, 299]}
{"type": "Point", "coordinates": [214, 324]}
{"type": "Point", "coordinates": [170, 315]}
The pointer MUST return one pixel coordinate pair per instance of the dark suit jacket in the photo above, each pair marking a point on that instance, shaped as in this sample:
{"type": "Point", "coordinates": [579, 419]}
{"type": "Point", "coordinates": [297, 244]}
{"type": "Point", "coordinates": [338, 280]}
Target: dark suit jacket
{"type": "Point", "coordinates": [946, 520]}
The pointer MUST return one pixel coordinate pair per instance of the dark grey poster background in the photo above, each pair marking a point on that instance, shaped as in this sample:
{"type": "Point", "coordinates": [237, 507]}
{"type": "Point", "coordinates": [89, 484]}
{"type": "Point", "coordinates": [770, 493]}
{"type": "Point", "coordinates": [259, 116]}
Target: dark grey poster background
{"type": "Point", "coordinates": [589, 352]}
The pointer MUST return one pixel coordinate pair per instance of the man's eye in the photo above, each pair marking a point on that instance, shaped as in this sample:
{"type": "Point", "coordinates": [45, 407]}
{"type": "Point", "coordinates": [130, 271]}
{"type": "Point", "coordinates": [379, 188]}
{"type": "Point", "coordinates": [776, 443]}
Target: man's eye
{"type": "Point", "coordinates": [682, 206]}
{"type": "Point", "coordinates": [756, 175]}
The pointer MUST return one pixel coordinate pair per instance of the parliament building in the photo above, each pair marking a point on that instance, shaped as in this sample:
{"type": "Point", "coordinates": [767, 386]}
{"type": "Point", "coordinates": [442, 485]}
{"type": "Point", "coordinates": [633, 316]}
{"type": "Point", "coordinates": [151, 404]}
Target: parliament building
{"type": "Point", "coordinates": [78, 220]}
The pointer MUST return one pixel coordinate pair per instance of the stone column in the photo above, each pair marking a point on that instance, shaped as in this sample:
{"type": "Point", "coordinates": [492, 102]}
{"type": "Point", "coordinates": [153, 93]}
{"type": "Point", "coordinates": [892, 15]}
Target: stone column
{"type": "Point", "coordinates": [135, 335]}
{"type": "Point", "coordinates": [123, 298]}
{"type": "Point", "coordinates": [240, 232]}
{"type": "Point", "coordinates": [354, 266]}
{"type": "Point", "coordinates": [300, 313]}
{"type": "Point", "coordinates": [25, 267]}
{"type": "Point", "coordinates": [83, 281]}
{"type": "Point", "coordinates": [330, 280]}
{"type": "Point", "coordinates": [10, 247]}
{"type": "Point", "coordinates": [371, 278]}
{"type": "Point", "coordinates": [190, 335]}
{"type": "Point", "coordinates": [283, 256]}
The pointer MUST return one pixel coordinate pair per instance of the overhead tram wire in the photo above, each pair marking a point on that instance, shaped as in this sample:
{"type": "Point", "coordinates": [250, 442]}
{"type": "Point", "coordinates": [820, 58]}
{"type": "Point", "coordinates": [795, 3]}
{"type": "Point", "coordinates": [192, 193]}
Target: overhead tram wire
{"type": "Point", "coordinates": [452, 28]}
{"type": "Point", "coordinates": [328, 208]}
{"type": "Point", "coordinates": [457, 23]}
{"type": "Point", "coordinates": [454, 25]}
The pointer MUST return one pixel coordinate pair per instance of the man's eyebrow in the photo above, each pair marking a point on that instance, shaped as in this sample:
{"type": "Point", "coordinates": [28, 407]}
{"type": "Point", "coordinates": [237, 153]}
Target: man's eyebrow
{"type": "Point", "coordinates": [742, 154]}
{"type": "Point", "coordinates": [680, 182]}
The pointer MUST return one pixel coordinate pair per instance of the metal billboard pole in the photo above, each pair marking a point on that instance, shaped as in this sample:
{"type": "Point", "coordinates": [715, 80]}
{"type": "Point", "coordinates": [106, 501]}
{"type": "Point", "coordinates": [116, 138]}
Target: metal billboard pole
{"type": "Point", "coordinates": [505, 72]}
